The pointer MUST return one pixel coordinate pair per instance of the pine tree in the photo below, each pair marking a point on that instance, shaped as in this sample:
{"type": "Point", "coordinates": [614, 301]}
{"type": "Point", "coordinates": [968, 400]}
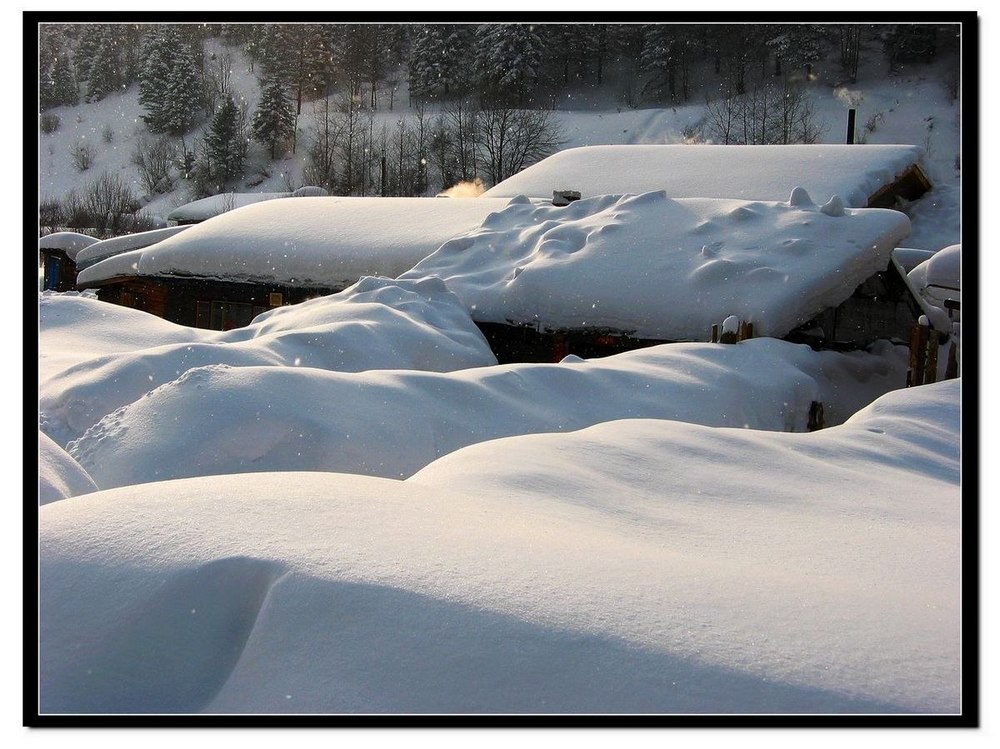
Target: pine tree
{"type": "Point", "coordinates": [182, 95]}
{"type": "Point", "coordinates": [439, 60]}
{"type": "Point", "coordinates": [154, 75]}
{"type": "Point", "coordinates": [225, 143]}
{"type": "Point", "coordinates": [509, 57]}
{"type": "Point", "coordinates": [64, 89]}
{"type": "Point", "coordinates": [90, 39]}
{"type": "Point", "coordinates": [666, 55]}
{"type": "Point", "coordinates": [274, 119]}
{"type": "Point", "coordinates": [104, 74]}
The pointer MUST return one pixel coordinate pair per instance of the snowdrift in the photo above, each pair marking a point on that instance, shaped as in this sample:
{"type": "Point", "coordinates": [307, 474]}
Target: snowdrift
{"type": "Point", "coordinates": [392, 423]}
{"type": "Point", "coordinates": [375, 324]}
{"type": "Point", "coordinates": [636, 566]}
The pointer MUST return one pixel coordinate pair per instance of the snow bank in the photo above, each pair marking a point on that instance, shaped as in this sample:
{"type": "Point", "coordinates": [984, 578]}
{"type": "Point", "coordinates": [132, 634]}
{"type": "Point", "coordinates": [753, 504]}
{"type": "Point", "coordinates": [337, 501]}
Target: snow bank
{"type": "Point", "coordinates": [59, 476]}
{"type": "Point", "coordinates": [69, 242]}
{"type": "Point", "coordinates": [637, 566]}
{"type": "Point", "coordinates": [116, 245]}
{"type": "Point", "coordinates": [664, 269]}
{"type": "Point", "coordinates": [320, 242]}
{"type": "Point", "coordinates": [376, 324]}
{"type": "Point", "coordinates": [853, 172]}
{"type": "Point", "coordinates": [392, 423]}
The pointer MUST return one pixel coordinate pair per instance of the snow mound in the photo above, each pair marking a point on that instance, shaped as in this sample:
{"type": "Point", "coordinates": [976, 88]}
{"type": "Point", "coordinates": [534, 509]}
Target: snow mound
{"type": "Point", "coordinates": [59, 476]}
{"type": "Point", "coordinates": [214, 205]}
{"type": "Point", "coordinates": [376, 324]}
{"type": "Point", "coordinates": [853, 172]}
{"type": "Point", "coordinates": [664, 269]}
{"type": "Point", "coordinates": [321, 242]}
{"type": "Point", "coordinates": [636, 566]}
{"type": "Point", "coordinates": [69, 242]}
{"type": "Point", "coordinates": [392, 423]}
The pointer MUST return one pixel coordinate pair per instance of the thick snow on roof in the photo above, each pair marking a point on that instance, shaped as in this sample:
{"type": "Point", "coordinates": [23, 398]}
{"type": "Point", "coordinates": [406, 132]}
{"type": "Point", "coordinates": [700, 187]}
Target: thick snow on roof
{"type": "Point", "coordinates": [940, 276]}
{"type": "Point", "coordinates": [701, 171]}
{"type": "Point", "coordinates": [662, 268]}
{"type": "Point", "coordinates": [392, 423]}
{"type": "Point", "coordinates": [205, 208]}
{"type": "Point", "coordinates": [636, 566]}
{"type": "Point", "coordinates": [376, 324]}
{"type": "Point", "coordinates": [325, 242]}
{"type": "Point", "coordinates": [116, 245]}
{"type": "Point", "coordinates": [69, 242]}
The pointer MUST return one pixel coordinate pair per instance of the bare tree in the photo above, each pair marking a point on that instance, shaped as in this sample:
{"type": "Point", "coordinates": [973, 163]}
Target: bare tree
{"type": "Point", "coordinates": [153, 157]}
{"type": "Point", "coordinates": [511, 139]}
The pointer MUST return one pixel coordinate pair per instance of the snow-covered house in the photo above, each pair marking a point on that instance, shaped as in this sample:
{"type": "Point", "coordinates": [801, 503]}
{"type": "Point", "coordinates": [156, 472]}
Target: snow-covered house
{"type": "Point", "coordinates": [222, 272]}
{"type": "Point", "coordinates": [610, 272]}
{"type": "Point", "coordinates": [58, 254]}
{"type": "Point", "coordinates": [863, 176]}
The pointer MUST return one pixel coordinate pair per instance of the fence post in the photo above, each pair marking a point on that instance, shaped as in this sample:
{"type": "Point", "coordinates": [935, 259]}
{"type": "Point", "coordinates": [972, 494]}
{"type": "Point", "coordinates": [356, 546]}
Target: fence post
{"type": "Point", "coordinates": [918, 349]}
{"type": "Point", "coordinates": [930, 370]}
{"type": "Point", "coordinates": [715, 333]}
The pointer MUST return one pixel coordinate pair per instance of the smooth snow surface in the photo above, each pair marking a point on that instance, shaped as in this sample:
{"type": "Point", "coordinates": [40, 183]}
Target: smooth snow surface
{"type": "Point", "coordinates": [69, 242]}
{"type": "Point", "coordinates": [393, 423]}
{"type": "Point", "coordinates": [59, 476]}
{"type": "Point", "coordinates": [636, 566]}
{"type": "Point", "coordinates": [940, 277]}
{"type": "Point", "coordinates": [665, 269]}
{"type": "Point", "coordinates": [116, 245]}
{"type": "Point", "coordinates": [327, 242]}
{"type": "Point", "coordinates": [115, 355]}
{"type": "Point", "coordinates": [205, 208]}
{"type": "Point", "coordinates": [708, 171]}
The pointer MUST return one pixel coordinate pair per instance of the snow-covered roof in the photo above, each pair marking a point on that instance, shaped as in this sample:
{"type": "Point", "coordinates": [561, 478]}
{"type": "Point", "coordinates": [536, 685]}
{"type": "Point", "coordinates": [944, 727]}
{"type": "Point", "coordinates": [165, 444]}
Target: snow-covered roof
{"type": "Point", "coordinates": [116, 245]}
{"type": "Point", "coordinates": [69, 242]}
{"type": "Point", "coordinates": [205, 208]}
{"type": "Point", "coordinates": [853, 172]}
{"type": "Point", "coordinates": [665, 269]}
{"type": "Point", "coordinates": [936, 281]}
{"type": "Point", "coordinates": [321, 242]}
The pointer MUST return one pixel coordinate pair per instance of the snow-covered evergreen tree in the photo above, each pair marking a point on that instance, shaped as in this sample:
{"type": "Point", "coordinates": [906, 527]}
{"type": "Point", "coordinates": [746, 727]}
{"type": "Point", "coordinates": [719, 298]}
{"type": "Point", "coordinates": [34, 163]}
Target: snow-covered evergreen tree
{"type": "Point", "coordinates": [154, 76]}
{"type": "Point", "coordinates": [182, 94]}
{"type": "Point", "coordinates": [438, 62]}
{"type": "Point", "coordinates": [666, 55]}
{"type": "Point", "coordinates": [104, 74]}
{"type": "Point", "coordinates": [274, 120]}
{"type": "Point", "coordinates": [225, 144]}
{"type": "Point", "coordinates": [508, 58]}
{"type": "Point", "coordinates": [63, 83]}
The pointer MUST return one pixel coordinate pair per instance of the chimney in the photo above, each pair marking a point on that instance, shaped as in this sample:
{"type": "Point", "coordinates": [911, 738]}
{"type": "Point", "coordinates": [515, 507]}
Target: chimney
{"type": "Point", "coordinates": [564, 197]}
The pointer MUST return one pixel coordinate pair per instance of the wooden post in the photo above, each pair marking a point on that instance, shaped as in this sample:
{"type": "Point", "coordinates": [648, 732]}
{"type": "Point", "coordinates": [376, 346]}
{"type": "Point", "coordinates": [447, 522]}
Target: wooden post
{"type": "Point", "coordinates": [918, 349]}
{"type": "Point", "coordinates": [715, 333]}
{"type": "Point", "coordinates": [851, 115]}
{"type": "Point", "coordinates": [816, 418]}
{"type": "Point", "coordinates": [951, 368]}
{"type": "Point", "coordinates": [930, 369]}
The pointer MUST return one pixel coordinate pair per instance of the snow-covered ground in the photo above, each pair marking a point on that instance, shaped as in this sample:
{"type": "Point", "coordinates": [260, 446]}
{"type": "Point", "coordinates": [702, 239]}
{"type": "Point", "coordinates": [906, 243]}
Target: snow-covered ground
{"type": "Point", "coordinates": [636, 566]}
